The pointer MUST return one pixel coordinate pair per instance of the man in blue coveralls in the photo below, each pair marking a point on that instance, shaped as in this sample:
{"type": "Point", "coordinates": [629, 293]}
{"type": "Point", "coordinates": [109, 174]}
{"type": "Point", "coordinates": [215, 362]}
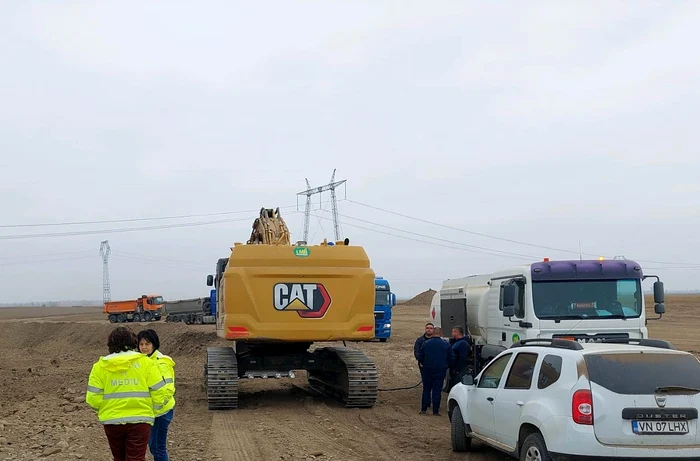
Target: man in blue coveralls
{"type": "Point", "coordinates": [435, 357]}
{"type": "Point", "coordinates": [419, 343]}
{"type": "Point", "coordinates": [460, 346]}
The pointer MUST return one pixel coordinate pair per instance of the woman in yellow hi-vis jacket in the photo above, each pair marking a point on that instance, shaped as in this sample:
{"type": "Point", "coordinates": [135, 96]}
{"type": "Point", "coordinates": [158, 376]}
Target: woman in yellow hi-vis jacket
{"type": "Point", "coordinates": [149, 343]}
{"type": "Point", "coordinates": [126, 388]}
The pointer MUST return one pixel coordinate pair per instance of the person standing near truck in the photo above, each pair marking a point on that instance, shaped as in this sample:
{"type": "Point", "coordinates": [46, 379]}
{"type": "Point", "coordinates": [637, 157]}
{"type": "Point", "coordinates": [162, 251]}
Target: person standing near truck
{"type": "Point", "coordinates": [422, 338]}
{"type": "Point", "coordinates": [419, 343]}
{"type": "Point", "coordinates": [427, 334]}
{"type": "Point", "coordinates": [460, 347]}
{"type": "Point", "coordinates": [149, 344]}
{"type": "Point", "coordinates": [435, 356]}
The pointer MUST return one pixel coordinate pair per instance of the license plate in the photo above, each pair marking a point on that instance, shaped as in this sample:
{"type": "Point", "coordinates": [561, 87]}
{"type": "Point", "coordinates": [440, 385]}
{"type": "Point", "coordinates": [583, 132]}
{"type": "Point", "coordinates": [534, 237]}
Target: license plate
{"type": "Point", "coordinates": [660, 427]}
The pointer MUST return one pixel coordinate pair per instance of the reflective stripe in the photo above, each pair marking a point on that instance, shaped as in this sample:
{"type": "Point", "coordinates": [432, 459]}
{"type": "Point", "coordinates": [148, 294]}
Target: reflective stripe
{"type": "Point", "coordinates": [123, 395]}
{"type": "Point", "coordinates": [169, 380]}
{"type": "Point", "coordinates": [96, 390]}
{"type": "Point", "coordinates": [155, 387]}
{"type": "Point", "coordinates": [130, 419]}
{"type": "Point", "coordinates": [157, 407]}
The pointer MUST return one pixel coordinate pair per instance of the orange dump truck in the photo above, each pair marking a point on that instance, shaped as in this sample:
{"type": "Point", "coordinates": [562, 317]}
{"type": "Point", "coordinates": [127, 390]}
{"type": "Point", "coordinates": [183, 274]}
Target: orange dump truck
{"type": "Point", "coordinates": [143, 309]}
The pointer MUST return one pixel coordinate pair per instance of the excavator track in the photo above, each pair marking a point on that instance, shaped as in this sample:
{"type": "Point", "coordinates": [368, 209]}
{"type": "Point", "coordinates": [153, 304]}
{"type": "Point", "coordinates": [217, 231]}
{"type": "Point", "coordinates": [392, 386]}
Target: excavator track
{"type": "Point", "coordinates": [221, 378]}
{"type": "Point", "coordinates": [354, 383]}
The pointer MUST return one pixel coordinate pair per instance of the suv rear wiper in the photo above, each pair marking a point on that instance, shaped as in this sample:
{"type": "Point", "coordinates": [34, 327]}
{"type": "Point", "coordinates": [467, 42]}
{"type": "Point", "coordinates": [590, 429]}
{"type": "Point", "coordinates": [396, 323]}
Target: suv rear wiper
{"type": "Point", "coordinates": [676, 390]}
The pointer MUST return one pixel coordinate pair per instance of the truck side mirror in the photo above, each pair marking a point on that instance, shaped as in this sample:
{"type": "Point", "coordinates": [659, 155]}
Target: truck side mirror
{"type": "Point", "coordinates": [659, 309]}
{"type": "Point", "coordinates": [393, 299]}
{"type": "Point", "coordinates": [658, 292]}
{"type": "Point", "coordinates": [468, 380]}
{"type": "Point", "coordinates": [210, 280]}
{"type": "Point", "coordinates": [509, 311]}
{"type": "Point", "coordinates": [509, 292]}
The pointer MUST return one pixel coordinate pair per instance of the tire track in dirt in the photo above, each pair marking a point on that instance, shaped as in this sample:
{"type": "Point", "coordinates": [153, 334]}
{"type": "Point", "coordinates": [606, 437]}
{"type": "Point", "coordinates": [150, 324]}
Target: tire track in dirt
{"type": "Point", "coordinates": [234, 439]}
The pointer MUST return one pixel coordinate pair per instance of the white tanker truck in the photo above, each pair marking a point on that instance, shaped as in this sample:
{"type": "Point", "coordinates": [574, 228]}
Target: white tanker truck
{"type": "Point", "coordinates": [587, 300]}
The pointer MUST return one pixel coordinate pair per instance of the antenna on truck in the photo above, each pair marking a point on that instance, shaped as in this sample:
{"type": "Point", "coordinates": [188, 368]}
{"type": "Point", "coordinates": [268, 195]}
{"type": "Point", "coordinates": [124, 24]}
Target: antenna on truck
{"type": "Point", "coordinates": [580, 251]}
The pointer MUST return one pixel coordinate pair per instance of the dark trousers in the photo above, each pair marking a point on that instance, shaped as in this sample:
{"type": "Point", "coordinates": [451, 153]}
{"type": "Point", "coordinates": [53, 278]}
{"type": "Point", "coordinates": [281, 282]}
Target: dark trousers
{"type": "Point", "coordinates": [456, 377]}
{"type": "Point", "coordinates": [159, 435]}
{"type": "Point", "coordinates": [128, 442]}
{"type": "Point", "coordinates": [422, 380]}
{"type": "Point", "coordinates": [432, 387]}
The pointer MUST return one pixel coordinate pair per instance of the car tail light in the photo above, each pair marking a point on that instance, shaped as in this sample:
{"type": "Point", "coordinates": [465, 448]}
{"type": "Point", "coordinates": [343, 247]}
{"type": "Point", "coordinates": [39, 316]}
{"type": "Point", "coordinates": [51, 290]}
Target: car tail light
{"type": "Point", "coordinates": [582, 407]}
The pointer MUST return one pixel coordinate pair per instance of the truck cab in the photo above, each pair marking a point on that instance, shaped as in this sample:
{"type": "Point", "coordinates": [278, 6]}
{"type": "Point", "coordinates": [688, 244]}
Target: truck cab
{"type": "Point", "coordinates": [583, 300]}
{"type": "Point", "coordinates": [384, 301]}
{"type": "Point", "coordinates": [151, 304]}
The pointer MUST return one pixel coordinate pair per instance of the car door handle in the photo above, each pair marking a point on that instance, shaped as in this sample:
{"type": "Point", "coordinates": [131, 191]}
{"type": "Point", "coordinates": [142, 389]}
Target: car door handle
{"type": "Point", "coordinates": [520, 403]}
{"type": "Point", "coordinates": [490, 399]}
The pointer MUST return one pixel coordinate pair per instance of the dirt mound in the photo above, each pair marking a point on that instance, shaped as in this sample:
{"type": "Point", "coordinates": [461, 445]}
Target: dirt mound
{"type": "Point", "coordinates": [65, 337]}
{"type": "Point", "coordinates": [422, 299]}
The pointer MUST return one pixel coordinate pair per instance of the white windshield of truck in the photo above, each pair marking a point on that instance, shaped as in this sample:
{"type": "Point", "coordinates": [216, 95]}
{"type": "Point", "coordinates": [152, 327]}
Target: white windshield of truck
{"type": "Point", "coordinates": [158, 300]}
{"type": "Point", "coordinates": [381, 298]}
{"type": "Point", "coordinates": [587, 299]}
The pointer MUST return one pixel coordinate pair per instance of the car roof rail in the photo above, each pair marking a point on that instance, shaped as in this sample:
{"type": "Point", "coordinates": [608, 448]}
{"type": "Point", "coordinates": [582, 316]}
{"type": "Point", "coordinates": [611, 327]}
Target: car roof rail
{"type": "Point", "coordinates": [659, 343]}
{"type": "Point", "coordinates": [550, 342]}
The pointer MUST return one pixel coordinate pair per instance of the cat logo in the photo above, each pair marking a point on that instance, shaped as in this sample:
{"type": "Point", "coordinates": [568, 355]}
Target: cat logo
{"type": "Point", "coordinates": [309, 300]}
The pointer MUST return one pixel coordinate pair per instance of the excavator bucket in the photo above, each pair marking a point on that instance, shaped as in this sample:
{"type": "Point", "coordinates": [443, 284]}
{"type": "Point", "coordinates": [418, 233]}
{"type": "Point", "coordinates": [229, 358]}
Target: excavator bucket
{"type": "Point", "coordinates": [270, 229]}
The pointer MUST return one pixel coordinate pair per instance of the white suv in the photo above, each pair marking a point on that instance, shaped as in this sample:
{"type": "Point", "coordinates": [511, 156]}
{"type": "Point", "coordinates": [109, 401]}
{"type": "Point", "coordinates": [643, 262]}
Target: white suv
{"type": "Point", "coordinates": [559, 399]}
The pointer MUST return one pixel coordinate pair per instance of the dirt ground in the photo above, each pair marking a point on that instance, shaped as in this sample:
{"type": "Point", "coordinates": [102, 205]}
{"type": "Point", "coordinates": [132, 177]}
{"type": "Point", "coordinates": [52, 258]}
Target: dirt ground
{"type": "Point", "coordinates": [47, 355]}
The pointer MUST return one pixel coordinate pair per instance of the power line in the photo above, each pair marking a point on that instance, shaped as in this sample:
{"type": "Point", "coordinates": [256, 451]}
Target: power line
{"type": "Point", "coordinates": [467, 231]}
{"type": "Point", "coordinates": [128, 220]}
{"type": "Point", "coordinates": [159, 263]}
{"type": "Point", "coordinates": [222, 221]}
{"type": "Point", "coordinates": [423, 241]}
{"type": "Point", "coordinates": [36, 257]}
{"type": "Point", "coordinates": [44, 261]}
{"type": "Point", "coordinates": [127, 254]}
{"type": "Point", "coordinates": [509, 253]}
{"type": "Point", "coordinates": [690, 265]}
{"type": "Point", "coordinates": [123, 229]}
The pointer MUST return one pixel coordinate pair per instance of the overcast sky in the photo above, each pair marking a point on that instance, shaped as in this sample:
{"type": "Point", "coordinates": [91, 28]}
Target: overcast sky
{"type": "Point", "coordinates": [545, 123]}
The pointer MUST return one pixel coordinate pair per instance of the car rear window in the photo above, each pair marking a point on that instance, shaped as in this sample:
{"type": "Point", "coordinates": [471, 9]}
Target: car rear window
{"type": "Point", "coordinates": [642, 373]}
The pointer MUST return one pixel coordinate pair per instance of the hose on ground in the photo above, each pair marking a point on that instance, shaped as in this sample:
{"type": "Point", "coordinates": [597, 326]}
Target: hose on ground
{"type": "Point", "coordinates": [400, 388]}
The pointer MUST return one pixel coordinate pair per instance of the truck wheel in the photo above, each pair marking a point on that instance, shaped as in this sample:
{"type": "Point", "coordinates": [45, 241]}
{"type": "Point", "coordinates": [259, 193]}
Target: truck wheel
{"type": "Point", "coordinates": [147, 317]}
{"type": "Point", "coordinates": [137, 318]}
{"type": "Point", "coordinates": [112, 318]}
{"type": "Point", "coordinates": [534, 449]}
{"type": "Point", "coordinates": [460, 441]}
{"type": "Point", "coordinates": [121, 318]}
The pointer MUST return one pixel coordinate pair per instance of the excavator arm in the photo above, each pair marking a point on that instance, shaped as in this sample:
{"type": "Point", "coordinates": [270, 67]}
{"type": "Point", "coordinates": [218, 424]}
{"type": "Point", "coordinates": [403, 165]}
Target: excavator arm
{"type": "Point", "coordinates": [270, 229]}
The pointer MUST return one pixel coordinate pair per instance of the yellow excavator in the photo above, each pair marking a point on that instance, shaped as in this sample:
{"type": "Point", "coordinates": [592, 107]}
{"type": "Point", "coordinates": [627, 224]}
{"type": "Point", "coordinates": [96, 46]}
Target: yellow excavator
{"type": "Point", "coordinates": [275, 299]}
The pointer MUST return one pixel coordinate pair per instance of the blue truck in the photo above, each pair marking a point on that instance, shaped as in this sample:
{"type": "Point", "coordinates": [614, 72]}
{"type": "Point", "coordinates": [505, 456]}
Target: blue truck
{"type": "Point", "coordinates": [383, 302]}
{"type": "Point", "coordinates": [212, 302]}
